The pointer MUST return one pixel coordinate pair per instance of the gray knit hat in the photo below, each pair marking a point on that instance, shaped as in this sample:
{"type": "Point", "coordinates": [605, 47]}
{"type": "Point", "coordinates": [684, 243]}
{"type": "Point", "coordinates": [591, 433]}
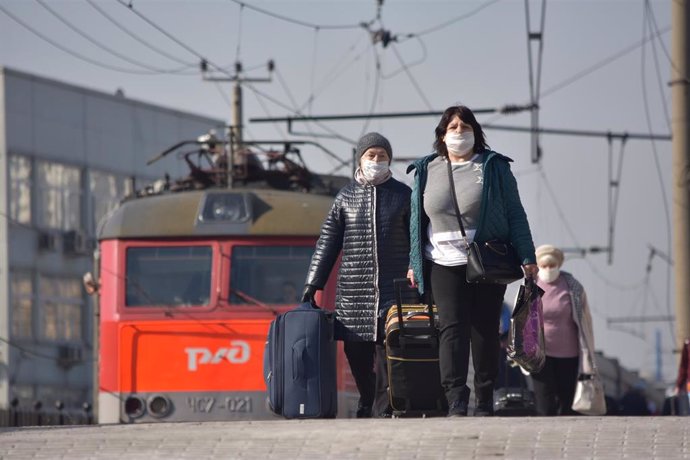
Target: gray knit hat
{"type": "Point", "coordinates": [370, 140]}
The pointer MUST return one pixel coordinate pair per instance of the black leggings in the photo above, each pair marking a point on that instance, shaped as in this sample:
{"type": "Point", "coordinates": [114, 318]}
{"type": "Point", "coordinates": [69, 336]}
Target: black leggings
{"type": "Point", "coordinates": [554, 386]}
{"type": "Point", "coordinates": [468, 313]}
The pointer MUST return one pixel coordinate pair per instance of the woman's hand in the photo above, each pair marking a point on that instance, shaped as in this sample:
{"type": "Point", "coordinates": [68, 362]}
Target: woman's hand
{"type": "Point", "coordinates": [530, 270]}
{"type": "Point", "coordinates": [410, 276]}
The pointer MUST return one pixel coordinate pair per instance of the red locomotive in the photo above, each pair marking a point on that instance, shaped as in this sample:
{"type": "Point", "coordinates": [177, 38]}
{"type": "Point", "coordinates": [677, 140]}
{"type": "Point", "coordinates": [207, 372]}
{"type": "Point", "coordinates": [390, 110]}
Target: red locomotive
{"type": "Point", "coordinates": [190, 275]}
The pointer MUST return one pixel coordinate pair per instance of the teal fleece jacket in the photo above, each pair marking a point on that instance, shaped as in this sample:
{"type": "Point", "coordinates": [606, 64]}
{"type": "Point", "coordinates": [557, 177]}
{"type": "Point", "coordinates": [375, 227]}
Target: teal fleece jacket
{"type": "Point", "coordinates": [501, 215]}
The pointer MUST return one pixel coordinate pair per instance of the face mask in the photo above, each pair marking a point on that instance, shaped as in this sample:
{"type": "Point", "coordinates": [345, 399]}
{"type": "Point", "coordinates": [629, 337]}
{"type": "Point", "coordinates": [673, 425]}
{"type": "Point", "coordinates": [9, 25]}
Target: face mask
{"type": "Point", "coordinates": [373, 170]}
{"type": "Point", "coordinates": [548, 275]}
{"type": "Point", "coordinates": [459, 144]}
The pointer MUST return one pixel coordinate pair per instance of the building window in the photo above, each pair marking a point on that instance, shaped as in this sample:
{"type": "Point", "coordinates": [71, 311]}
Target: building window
{"type": "Point", "coordinates": [59, 196]}
{"type": "Point", "coordinates": [20, 188]}
{"type": "Point", "coordinates": [21, 295]}
{"type": "Point", "coordinates": [268, 274]}
{"type": "Point", "coordinates": [106, 192]}
{"type": "Point", "coordinates": [61, 308]}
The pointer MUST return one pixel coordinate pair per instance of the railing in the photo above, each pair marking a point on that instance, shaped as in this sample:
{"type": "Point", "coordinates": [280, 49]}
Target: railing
{"type": "Point", "coordinates": [15, 416]}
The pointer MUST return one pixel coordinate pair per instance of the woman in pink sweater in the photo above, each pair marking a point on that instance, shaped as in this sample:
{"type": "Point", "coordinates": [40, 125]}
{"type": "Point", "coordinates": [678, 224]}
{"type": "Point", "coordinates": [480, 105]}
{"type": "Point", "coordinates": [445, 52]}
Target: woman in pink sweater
{"type": "Point", "coordinates": [568, 335]}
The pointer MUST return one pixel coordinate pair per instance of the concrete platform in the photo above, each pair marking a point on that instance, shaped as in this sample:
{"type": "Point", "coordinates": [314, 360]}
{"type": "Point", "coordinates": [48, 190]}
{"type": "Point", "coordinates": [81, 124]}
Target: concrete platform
{"type": "Point", "coordinates": [434, 438]}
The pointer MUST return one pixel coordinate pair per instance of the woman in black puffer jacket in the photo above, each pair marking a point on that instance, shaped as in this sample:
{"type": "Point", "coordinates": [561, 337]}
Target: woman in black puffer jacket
{"type": "Point", "coordinates": [369, 222]}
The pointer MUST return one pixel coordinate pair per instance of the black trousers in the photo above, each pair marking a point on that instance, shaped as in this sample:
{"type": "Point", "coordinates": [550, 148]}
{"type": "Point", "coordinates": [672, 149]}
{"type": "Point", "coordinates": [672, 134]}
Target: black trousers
{"type": "Point", "coordinates": [554, 386]}
{"type": "Point", "coordinates": [370, 371]}
{"type": "Point", "coordinates": [468, 314]}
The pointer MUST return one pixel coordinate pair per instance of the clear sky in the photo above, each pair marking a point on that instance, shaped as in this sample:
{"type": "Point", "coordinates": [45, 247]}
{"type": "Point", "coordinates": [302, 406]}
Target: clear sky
{"type": "Point", "coordinates": [595, 76]}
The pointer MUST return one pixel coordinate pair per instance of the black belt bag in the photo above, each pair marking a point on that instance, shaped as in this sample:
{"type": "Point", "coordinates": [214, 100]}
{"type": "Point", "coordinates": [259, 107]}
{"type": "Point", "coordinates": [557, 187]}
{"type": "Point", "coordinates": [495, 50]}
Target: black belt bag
{"type": "Point", "coordinates": [491, 262]}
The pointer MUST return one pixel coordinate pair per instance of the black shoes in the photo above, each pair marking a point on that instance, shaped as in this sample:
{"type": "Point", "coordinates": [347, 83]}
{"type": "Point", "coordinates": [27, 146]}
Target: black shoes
{"type": "Point", "coordinates": [457, 409]}
{"type": "Point", "coordinates": [484, 409]}
{"type": "Point", "coordinates": [363, 412]}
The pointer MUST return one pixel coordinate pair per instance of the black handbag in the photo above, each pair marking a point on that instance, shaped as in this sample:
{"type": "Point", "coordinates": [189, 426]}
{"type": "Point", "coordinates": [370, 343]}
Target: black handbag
{"type": "Point", "coordinates": [491, 262]}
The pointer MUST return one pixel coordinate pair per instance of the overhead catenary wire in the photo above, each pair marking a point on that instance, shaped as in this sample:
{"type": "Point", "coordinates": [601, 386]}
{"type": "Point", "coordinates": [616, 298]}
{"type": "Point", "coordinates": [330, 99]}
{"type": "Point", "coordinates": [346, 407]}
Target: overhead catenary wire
{"type": "Point", "coordinates": [280, 104]}
{"type": "Point", "coordinates": [76, 54]}
{"type": "Point", "coordinates": [375, 91]}
{"type": "Point", "coordinates": [657, 165]}
{"type": "Point", "coordinates": [445, 24]}
{"type": "Point", "coordinates": [411, 78]}
{"type": "Point", "coordinates": [656, 65]}
{"type": "Point", "coordinates": [312, 76]}
{"type": "Point", "coordinates": [263, 106]}
{"type": "Point", "coordinates": [224, 96]}
{"type": "Point", "coordinates": [593, 68]}
{"type": "Point", "coordinates": [336, 72]}
{"type": "Point", "coordinates": [614, 186]}
{"type": "Point", "coordinates": [652, 18]}
{"type": "Point", "coordinates": [296, 21]}
{"type": "Point", "coordinates": [376, 74]}
{"type": "Point", "coordinates": [136, 37]}
{"type": "Point", "coordinates": [201, 57]}
{"type": "Point", "coordinates": [571, 233]}
{"type": "Point", "coordinates": [287, 90]}
{"type": "Point", "coordinates": [402, 68]}
{"type": "Point", "coordinates": [104, 47]}
{"type": "Point", "coordinates": [639, 303]}
{"type": "Point", "coordinates": [602, 63]}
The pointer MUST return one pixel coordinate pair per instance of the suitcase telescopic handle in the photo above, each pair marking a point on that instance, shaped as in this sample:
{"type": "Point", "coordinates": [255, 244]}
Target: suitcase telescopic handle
{"type": "Point", "coordinates": [398, 284]}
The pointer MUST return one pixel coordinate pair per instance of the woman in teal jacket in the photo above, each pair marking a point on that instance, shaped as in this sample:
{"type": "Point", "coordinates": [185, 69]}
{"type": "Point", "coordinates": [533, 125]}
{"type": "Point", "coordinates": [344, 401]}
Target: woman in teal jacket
{"type": "Point", "coordinates": [490, 205]}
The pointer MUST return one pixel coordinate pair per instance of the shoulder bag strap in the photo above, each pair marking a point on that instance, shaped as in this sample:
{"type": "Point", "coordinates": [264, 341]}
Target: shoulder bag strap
{"type": "Point", "coordinates": [455, 201]}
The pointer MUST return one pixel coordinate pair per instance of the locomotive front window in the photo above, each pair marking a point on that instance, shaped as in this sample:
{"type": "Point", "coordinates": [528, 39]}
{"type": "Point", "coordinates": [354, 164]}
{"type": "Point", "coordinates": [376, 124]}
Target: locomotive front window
{"type": "Point", "coordinates": [168, 276]}
{"type": "Point", "coordinates": [268, 274]}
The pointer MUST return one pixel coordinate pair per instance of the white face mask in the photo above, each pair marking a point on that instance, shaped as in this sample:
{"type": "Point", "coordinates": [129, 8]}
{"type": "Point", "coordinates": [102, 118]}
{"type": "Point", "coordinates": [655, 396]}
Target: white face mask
{"type": "Point", "coordinates": [548, 275]}
{"type": "Point", "coordinates": [373, 170]}
{"type": "Point", "coordinates": [459, 144]}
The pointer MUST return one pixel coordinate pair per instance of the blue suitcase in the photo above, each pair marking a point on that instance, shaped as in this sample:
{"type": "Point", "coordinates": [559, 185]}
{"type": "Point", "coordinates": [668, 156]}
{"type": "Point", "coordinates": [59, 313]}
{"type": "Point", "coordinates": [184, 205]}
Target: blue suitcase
{"type": "Point", "coordinates": [300, 364]}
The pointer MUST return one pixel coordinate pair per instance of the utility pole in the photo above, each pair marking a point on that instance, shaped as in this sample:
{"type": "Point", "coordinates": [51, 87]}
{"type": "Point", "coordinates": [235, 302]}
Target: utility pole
{"type": "Point", "coordinates": [535, 37]}
{"type": "Point", "coordinates": [236, 122]}
{"type": "Point", "coordinates": [680, 14]}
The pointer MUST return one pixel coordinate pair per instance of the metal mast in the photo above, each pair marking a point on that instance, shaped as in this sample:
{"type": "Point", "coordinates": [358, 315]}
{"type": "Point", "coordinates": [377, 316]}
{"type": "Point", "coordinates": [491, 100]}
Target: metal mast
{"type": "Point", "coordinates": [680, 14]}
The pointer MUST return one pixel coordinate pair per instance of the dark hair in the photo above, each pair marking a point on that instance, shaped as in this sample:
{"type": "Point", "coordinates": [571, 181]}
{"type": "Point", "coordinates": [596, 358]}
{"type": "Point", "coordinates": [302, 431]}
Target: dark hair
{"type": "Point", "coordinates": [466, 115]}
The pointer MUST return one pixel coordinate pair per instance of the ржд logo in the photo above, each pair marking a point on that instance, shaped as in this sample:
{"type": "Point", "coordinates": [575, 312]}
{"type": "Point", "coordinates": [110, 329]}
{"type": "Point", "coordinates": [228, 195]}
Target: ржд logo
{"type": "Point", "coordinates": [238, 353]}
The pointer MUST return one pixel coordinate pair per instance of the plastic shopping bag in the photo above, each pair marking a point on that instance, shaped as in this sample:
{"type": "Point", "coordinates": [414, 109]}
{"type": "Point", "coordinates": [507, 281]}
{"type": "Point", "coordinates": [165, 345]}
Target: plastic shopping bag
{"type": "Point", "coordinates": [526, 335]}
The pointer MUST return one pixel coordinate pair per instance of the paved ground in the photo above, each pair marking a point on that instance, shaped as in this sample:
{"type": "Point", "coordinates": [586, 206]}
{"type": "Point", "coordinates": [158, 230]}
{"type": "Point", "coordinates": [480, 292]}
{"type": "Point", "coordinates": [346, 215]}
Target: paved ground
{"type": "Point", "coordinates": [459, 438]}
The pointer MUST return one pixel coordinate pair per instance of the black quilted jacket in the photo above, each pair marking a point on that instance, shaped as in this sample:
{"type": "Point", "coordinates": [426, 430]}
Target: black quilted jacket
{"type": "Point", "coordinates": [371, 226]}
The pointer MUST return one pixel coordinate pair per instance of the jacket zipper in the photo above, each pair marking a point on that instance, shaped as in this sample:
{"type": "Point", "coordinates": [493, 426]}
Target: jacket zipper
{"type": "Point", "coordinates": [376, 266]}
{"type": "Point", "coordinates": [485, 197]}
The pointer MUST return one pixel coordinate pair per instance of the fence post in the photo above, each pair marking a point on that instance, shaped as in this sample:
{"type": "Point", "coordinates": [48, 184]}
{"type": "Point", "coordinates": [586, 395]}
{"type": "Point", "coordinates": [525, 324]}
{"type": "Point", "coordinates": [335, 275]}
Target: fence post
{"type": "Point", "coordinates": [59, 405]}
{"type": "Point", "coordinates": [37, 412]}
{"type": "Point", "coordinates": [14, 413]}
{"type": "Point", "coordinates": [87, 410]}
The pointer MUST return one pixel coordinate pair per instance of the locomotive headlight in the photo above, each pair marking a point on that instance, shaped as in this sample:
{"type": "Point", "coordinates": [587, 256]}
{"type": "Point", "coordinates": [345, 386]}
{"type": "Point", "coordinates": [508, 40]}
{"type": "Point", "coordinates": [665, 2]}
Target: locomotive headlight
{"type": "Point", "coordinates": [134, 406]}
{"type": "Point", "coordinates": [159, 406]}
{"type": "Point", "coordinates": [224, 207]}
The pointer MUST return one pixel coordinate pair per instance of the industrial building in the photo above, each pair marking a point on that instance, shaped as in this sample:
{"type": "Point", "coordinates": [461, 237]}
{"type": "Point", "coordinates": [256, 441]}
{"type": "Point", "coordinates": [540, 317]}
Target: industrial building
{"type": "Point", "coordinates": [68, 155]}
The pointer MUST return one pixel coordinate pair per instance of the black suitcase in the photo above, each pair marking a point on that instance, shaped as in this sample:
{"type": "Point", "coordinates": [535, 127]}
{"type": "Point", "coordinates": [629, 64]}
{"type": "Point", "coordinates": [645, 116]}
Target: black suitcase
{"type": "Point", "coordinates": [414, 379]}
{"type": "Point", "coordinates": [677, 405]}
{"type": "Point", "coordinates": [300, 364]}
{"type": "Point", "coordinates": [514, 401]}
